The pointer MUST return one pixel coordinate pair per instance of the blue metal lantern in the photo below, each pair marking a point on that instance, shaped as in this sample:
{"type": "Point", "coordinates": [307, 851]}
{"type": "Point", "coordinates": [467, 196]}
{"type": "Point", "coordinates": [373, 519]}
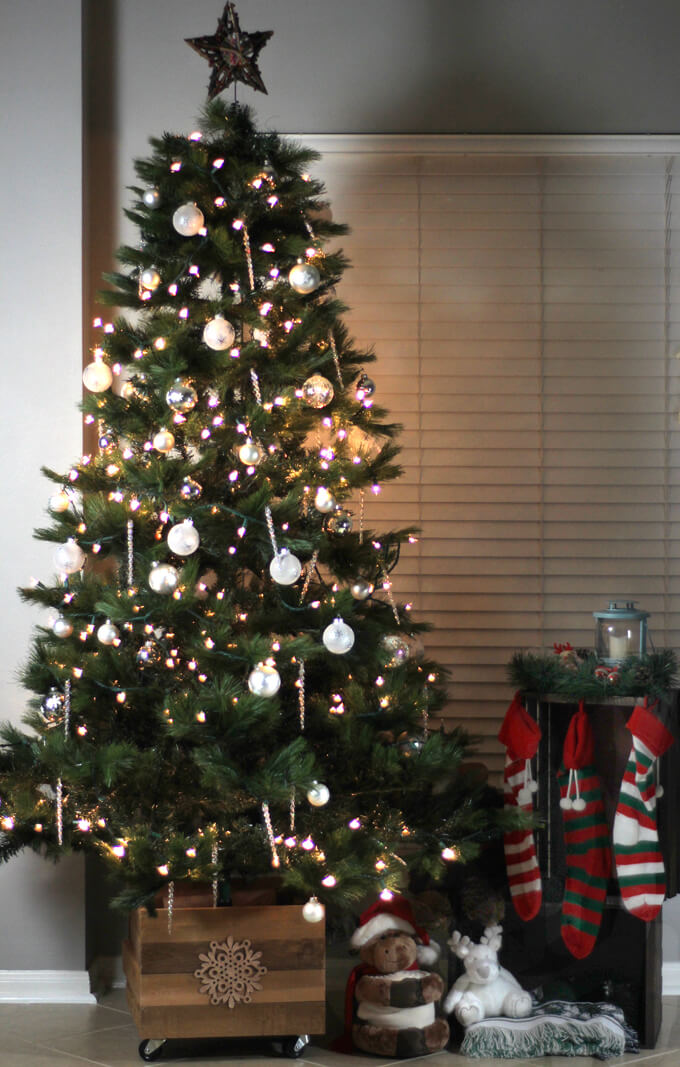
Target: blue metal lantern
{"type": "Point", "coordinates": [620, 631]}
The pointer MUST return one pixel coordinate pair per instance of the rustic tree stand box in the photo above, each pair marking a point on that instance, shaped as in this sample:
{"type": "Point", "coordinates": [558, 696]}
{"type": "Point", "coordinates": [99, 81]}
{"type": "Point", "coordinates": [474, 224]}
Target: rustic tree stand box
{"type": "Point", "coordinates": [225, 972]}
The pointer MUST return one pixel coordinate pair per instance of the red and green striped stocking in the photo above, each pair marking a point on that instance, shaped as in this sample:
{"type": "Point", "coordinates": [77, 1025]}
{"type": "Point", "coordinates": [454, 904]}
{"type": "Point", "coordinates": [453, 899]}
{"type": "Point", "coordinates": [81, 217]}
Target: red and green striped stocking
{"type": "Point", "coordinates": [520, 734]}
{"type": "Point", "coordinates": [639, 863]}
{"type": "Point", "coordinates": [586, 838]}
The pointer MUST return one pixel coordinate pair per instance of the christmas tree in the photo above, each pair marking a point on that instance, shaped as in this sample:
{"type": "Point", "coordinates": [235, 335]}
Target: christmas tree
{"type": "Point", "coordinates": [229, 686]}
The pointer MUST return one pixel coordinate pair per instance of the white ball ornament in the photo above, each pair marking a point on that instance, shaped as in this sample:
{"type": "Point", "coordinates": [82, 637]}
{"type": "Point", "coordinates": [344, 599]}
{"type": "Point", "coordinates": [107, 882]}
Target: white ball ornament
{"type": "Point", "coordinates": [163, 578]}
{"type": "Point", "coordinates": [62, 627]}
{"type": "Point", "coordinates": [69, 557]}
{"type": "Point", "coordinates": [218, 334]}
{"type": "Point", "coordinates": [183, 539]}
{"type": "Point", "coordinates": [313, 911]}
{"type": "Point", "coordinates": [163, 441]}
{"type": "Point", "coordinates": [250, 453]}
{"type": "Point", "coordinates": [285, 568]}
{"type": "Point", "coordinates": [188, 220]}
{"type": "Point", "coordinates": [318, 794]}
{"type": "Point", "coordinates": [59, 501]}
{"type": "Point", "coordinates": [107, 633]}
{"type": "Point", "coordinates": [97, 376]}
{"type": "Point", "coordinates": [338, 637]}
{"type": "Point", "coordinates": [317, 391]}
{"type": "Point", "coordinates": [324, 501]}
{"type": "Point", "coordinates": [264, 681]}
{"type": "Point", "coordinates": [304, 277]}
{"type": "Point", "coordinates": [151, 198]}
{"type": "Point", "coordinates": [150, 279]}
{"type": "Point", "coordinates": [361, 589]}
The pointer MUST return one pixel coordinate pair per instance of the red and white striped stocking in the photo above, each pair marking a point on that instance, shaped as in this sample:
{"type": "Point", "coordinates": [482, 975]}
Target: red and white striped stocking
{"type": "Point", "coordinates": [521, 734]}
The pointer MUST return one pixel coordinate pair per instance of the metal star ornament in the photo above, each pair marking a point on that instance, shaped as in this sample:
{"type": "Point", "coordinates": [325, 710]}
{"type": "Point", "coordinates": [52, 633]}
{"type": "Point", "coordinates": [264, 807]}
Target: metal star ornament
{"type": "Point", "coordinates": [231, 53]}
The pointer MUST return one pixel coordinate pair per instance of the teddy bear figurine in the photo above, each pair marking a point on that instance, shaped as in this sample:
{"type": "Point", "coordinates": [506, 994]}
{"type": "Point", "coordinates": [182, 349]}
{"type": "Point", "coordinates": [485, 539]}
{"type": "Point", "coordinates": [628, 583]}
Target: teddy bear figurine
{"type": "Point", "coordinates": [391, 1002]}
{"type": "Point", "coordinates": [485, 989]}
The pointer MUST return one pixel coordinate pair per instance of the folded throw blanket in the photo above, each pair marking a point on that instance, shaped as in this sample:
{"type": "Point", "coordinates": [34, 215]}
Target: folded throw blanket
{"type": "Point", "coordinates": [557, 1028]}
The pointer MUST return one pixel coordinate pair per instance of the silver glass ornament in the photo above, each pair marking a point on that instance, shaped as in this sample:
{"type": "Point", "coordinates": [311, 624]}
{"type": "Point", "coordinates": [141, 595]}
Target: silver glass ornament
{"type": "Point", "coordinates": [285, 568]}
{"type": "Point", "coordinates": [151, 198]}
{"type": "Point", "coordinates": [163, 441]}
{"type": "Point", "coordinates": [340, 522]}
{"type": "Point", "coordinates": [338, 637]}
{"type": "Point", "coordinates": [397, 650]}
{"type": "Point", "coordinates": [409, 746]}
{"type": "Point", "coordinates": [317, 391]}
{"type": "Point", "coordinates": [52, 705]}
{"type": "Point", "coordinates": [62, 627]}
{"type": "Point", "coordinates": [304, 277]}
{"type": "Point", "coordinates": [188, 220]}
{"type": "Point", "coordinates": [324, 501]}
{"type": "Point", "coordinates": [150, 279]}
{"type": "Point", "coordinates": [361, 589]}
{"type": "Point", "coordinates": [250, 453]}
{"type": "Point", "coordinates": [149, 655]}
{"type": "Point", "coordinates": [365, 388]}
{"type": "Point", "coordinates": [69, 557]}
{"type": "Point", "coordinates": [264, 681]}
{"type": "Point", "coordinates": [183, 538]}
{"type": "Point", "coordinates": [318, 794]}
{"type": "Point", "coordinates": [218, 334]}
{"type": "Point", "coordinates": [105, 441]}
{"type": "Point", "coordinates": [190, 489]}
{"type": "Point", "coordinates": [163, 578]}
{"type": "Point", "coordinates": [107, 633]}
{"type": "Point", "coordinates": [181, 396]}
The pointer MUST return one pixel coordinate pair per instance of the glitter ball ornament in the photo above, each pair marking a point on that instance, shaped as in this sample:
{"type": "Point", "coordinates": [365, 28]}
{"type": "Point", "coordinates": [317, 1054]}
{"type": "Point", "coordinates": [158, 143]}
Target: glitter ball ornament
{"type": "Point", "coordinates": [317, 391]}
{"type": "Point", "coordinates": [149, 655]}
{"type": "Point", "coordinates": [183, 539]}
{"type": "Point", "coordinates": [304, 277]}
{"type": "Point", "coordinates": [151, 198]}
{"type": "Point", "coordinates": [218, 334]}
{"type": "Point", "coordinates": [365, 388]}
{"type": "Point", "coordinates": [163, 578]}
{"type": "Point", "coordinates": [318, 794]}
{"type": "Point", "coordinates": [150, 279]}
{"type": "Point", "coordinates": [338, 637]}
{"type": "Point", "coordinates": [163, 441]}
{"type": "Point", "coordinates": [59, 501]}
{"type": "Point", "coordinates": [188, 220]}
{"type": "Point", "coordinates": [107, 633]}
{"type": "Point", "coordinates": [313, 911]}
{"type": "Point", "coordinates": [69, 557]}
{"type": "Point", "coordinates": [181, 396]}
{"type": "Point", "coordinates": [285, 568]}
{"type": "Point", "coordinates": [190, 489]}
{"type": "Point", "coordinates": [324, 501]}
{"type": "Point", "coordinates": [250, 453]}
{"type": "Point", "coordinates": [264, 681]}
{"type": "Point", "coordinates": [52, 704]}
{"type": "Point", "coordinates": [361, 589]}
{"type": "Point", "coordinates": [396, 648]}
{"type": "Point", "coordinates": [340, 522]}
{"type": "Point", "coordinates": [62, 627]}
{"type": "Point", "coordinates": [97, 376]}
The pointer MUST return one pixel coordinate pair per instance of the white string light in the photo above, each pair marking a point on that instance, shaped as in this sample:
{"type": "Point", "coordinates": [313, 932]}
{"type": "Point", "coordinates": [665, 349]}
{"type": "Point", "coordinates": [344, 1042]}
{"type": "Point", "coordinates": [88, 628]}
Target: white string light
{"type": "Point", "coordinates": [276, 862]}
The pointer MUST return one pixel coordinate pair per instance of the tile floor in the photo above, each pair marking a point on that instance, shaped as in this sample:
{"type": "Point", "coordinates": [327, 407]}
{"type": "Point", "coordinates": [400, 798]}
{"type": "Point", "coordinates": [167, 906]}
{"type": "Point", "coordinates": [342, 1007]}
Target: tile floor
{"type": "Point", "coordinates": [70, 1035]}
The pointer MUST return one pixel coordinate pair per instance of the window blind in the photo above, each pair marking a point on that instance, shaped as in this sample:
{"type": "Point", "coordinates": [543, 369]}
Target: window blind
{"type": "Point", "coordinates": [525, 310]}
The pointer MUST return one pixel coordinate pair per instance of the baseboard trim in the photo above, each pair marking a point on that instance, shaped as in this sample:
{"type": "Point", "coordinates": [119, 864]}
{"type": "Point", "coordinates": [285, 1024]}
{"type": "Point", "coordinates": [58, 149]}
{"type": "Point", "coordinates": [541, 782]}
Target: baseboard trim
{"type": "Point", "coordinates": [106, 972]}
{"type": "Point", "coordinates": [45, 987]}
{"type": "Point", "coordinates": [670, 979]}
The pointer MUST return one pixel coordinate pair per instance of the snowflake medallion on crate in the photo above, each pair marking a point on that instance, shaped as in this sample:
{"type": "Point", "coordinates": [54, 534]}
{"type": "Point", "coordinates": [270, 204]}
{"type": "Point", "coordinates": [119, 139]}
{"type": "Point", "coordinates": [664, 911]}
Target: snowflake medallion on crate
{"type": "Point", "coordinates": [230, 972]}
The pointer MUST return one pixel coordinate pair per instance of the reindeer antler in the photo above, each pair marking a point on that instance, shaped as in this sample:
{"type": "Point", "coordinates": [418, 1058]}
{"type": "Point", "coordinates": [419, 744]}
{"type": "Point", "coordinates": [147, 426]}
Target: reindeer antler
{"type": "Point", "coordinates": [459, 945]}
{"type": "Point", "coordinates": [493, 937]}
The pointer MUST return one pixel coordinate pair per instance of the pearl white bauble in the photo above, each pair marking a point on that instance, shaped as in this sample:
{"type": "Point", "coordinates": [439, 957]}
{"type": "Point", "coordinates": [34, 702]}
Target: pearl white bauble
{"type": "Point", "coordinates": [59, 501]}
{"type": "Point", "coordinates": [62, 627]}
{"type": "Point", "coordinates": [250, 453]}
{"type": "Point", "coordinates": [188, 220]}
{"type": "Point", "coordinates": [317, 391]}
{"type": "Point", "coordinates": [318, 794]}
{"type": "Point", "coordinates": [218, 334]}
{"type": "Point", "coordinates": [324, 501]}
{"type": "Point", "coordinates": [285, 568]}
{"type": "Point", "coordinates": [397, 650]}
{"type": "Point", "coordinates": [163, 578]}
{"type": "Point", "coordinates": [304, 278]}
{"type": "Point", "coordinates": [150, 279]}
{"type": "Point", "coordinates": [313, 911]}
{"type": "Point", "coordinates": [151, 198]}
{"type": "Point", "coordinates": [163, 441]}
{"type": "Point", "coordinates": [264, 681]}
{"type": "Point", "coordinates": [338, 637]}
{"type": "Point", "coordinates": [107, 633]}
{"type": "Point", "coordinates": [183, 539]}
{"type": "Point", "coordinates": [97, 376]}
{"type": "Point", "coordinates": [69, 557]}
{"type": "Point", "coordinates": [181, 396]}
{"type": "Point", "coordinates": [361, 589]}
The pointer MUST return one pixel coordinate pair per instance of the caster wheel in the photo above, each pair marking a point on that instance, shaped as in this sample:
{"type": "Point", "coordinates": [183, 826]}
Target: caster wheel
{"type": "Point", "coordinates": [152, 1049]}
{"type": "Point", "coordinates": [291, 1047]}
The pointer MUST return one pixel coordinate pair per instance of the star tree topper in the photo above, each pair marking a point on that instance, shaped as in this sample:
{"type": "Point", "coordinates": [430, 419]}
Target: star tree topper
{"type": "Point", "coordinates": [231, 53]}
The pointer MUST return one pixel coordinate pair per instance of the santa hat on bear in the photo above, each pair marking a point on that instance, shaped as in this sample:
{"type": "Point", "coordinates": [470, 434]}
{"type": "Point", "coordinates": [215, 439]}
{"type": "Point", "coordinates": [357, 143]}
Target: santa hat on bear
{"type": "Point", "coordinates": [396, 914]}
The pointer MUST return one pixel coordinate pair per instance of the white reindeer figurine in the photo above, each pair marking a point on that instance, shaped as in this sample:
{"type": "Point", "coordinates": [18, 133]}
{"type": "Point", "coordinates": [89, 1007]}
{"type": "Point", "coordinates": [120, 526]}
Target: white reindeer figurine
{"type": "Point", "coordinates": [486, 989]}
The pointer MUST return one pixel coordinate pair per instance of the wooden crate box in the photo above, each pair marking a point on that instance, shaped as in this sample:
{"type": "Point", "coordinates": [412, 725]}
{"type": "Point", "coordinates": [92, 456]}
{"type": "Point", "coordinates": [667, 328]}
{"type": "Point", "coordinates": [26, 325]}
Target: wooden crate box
{"type": "Point", "coordinates": [226, 972]}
